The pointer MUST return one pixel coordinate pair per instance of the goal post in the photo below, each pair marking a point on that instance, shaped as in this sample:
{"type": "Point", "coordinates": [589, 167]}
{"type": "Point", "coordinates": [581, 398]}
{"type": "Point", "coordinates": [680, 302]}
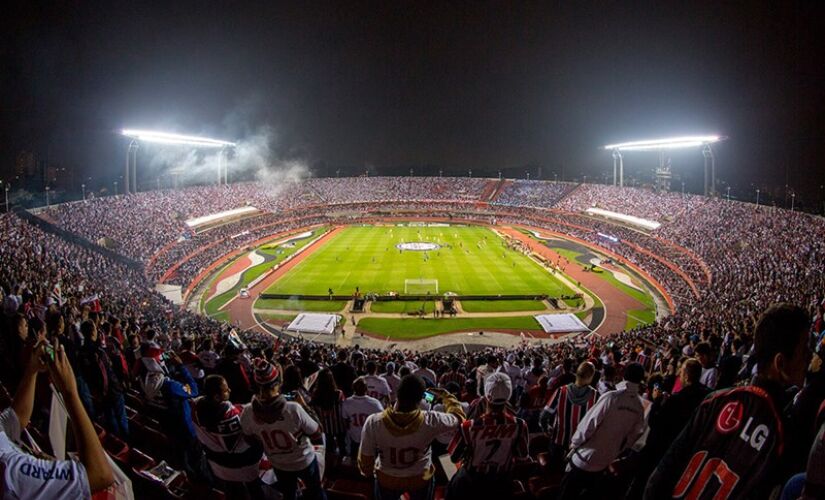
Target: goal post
{"type": "Point", "coordinates": [420, 286]}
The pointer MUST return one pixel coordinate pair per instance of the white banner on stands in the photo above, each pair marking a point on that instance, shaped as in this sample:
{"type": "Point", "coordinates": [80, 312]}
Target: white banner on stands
{"type": "Point", "coordinates": [314, 323]}
{"type": "Point", "coordinates": [561, 323]}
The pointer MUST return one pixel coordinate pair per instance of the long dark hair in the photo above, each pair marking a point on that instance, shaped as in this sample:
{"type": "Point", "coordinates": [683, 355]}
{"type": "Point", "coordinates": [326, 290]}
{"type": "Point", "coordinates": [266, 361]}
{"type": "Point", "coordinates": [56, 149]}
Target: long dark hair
{"type": "Point", "coordinates": [292, 379]}
{"type": "Point", "coordinates": [325, 391]}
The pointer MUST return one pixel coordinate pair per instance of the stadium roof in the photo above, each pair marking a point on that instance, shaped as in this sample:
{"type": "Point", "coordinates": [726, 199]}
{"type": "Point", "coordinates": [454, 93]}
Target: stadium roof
{"type": "Point", "coordinates": [167, 138]}
{"type": "Point", "coordinates": [689, 141]}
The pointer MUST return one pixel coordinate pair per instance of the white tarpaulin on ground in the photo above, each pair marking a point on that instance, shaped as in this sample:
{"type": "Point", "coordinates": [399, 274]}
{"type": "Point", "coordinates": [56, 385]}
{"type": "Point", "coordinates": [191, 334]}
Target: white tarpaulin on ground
{"type": "Point", "coordinates": [561, 323]}
{"type": "Point", "coordinates": [314, 323]}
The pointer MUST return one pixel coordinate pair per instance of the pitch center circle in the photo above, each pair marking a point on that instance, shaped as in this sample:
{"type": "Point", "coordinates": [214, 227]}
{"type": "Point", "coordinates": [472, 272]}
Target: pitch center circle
{"type": "Point", "coordinates": [418, 246]}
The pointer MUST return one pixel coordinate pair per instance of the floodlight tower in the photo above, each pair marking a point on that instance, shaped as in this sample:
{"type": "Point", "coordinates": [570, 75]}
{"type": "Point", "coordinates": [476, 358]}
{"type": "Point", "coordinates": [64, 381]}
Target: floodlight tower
{"type": "Point", "coordinates": [138, 136]}
{"type": "Point", "coordinates": [661, 145]}
{"type": "Point", "coordinates": [617, 161]}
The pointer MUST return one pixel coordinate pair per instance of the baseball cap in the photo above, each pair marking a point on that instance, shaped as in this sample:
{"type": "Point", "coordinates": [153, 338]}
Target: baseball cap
{"type": "Point", "coordinates": [498, 388]}
{"type": "Point", "coordinates": [265, 373]}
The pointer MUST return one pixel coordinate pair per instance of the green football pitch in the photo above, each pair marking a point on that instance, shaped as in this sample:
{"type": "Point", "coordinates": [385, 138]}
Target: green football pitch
{"type": "Point", "coordinates": [470, 260]}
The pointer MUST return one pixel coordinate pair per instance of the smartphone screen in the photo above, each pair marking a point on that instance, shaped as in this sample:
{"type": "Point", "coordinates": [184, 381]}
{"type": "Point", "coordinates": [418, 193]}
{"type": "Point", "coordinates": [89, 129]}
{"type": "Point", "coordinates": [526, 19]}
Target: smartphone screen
{"type": "Point", "coordinates": [429, 397]}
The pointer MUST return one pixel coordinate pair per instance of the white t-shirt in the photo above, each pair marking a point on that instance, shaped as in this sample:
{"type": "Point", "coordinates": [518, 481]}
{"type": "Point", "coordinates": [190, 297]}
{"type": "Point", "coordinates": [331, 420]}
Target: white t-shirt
{"type": "Point", "coordinates": [408, 455]}
{"type": "Point", "coordinates": [377, 387]}
{"type": "Point", "coordinates": [286, 441]}
{"type": "Point", "coordinates": [393, 381]}
{"type": "Point", "coordinates": [709, 377]}
{"type": "Point", "coordinates": [355, 409]}
{"type": "Point", "coordinates": [27, 477]}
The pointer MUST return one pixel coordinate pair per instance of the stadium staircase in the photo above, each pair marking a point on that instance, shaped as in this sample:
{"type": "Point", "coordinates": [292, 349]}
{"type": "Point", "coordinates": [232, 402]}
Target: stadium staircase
{"type": "Point", "coordinates": [499, 188]}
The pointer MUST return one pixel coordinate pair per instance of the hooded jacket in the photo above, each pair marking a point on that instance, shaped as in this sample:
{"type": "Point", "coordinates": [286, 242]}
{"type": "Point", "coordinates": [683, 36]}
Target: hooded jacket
{"type": "Point", "coordinates": [611, 426]}
{"type": "Point", "coordinates": [396, 444]}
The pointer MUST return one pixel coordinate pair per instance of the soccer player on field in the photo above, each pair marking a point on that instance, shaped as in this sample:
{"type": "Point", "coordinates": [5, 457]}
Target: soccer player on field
{"type": "Point", "coordinates": [731, 447]}
{"type": "Point", "coordinates": [285, 429]}
{"type": "Point", "coordinates": [355, 410]}
{"type": "Point", "coordinates": [486, 446]}
{"type": "Point", "coordinates": [395, 444]}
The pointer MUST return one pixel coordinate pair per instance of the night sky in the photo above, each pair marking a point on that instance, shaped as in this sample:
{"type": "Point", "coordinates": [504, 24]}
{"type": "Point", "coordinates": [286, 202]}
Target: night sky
{"type": "Point", "coordinates": [451, 85]}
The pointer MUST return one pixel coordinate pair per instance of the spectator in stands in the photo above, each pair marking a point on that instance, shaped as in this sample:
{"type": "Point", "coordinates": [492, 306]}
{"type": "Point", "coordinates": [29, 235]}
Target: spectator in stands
{"type": "Point", "coordinates": [566, 408]}
{"type": "Point", "coordinates": [482, 372]}
{"type": "Point", "coordinates": [533, 402]}
{"type": "Point", "coordinates": [704, 353]}
{"type": "Point", "coordinates": [232, 368]}
{"type": "Point", "coordinates": [285, 429]}
{"type": "Point", "coordinates": [611, 426]}
{"type": "Point", "coordinates": [666, 421]}
{"type": "Point", "coordinates": [105, 384]}
{"type": "Point", "coordinates": [488, 445]}
{"type": "Point", "coordinates": [377, 386]}
{"type": "Point", "coordinates": [454, 375]}
{"type": "Point", "coordinates": [392, 379]}
{"type": "Point", "coordinates": [739, 430]}
{"type": "Point", "coordinates": [730, 364]}
{"type": "Point", "coordinates": [424, 371]}
{"type": "Point", "coordinates": [232, 458]}
{"type": "Point", "coordinates": [344, 373]}
{"type": "Point", "coordinates": [395, 444]}
{"type": "Point", "coordinates": [607, 382]}
{"type": "Point", "coordinates": [170, 397]}
{"type": "Point", "coordinates": [326, 401]}
{"type": "Point", "coordinates": [23, 475]}
{"type": "Point", "coordinates": [355, 410]}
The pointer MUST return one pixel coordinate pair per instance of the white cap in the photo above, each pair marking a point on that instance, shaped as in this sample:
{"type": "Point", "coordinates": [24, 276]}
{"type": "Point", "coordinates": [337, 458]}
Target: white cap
{"type": "Point", "coordinates": [498, 388]}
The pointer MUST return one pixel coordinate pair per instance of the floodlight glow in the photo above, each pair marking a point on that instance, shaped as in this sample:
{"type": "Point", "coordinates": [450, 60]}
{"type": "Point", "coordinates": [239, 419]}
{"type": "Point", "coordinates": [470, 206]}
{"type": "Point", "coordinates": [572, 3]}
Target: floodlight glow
{"type": "Point", "coordinates": [669, 143]}
{"type": "Point", "coordinates": [167, 138]}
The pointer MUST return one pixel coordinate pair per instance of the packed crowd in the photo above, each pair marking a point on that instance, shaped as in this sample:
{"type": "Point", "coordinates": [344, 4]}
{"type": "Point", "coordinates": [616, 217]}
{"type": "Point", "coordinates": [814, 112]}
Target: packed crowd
{"type": "Point", "coordinates": [639, 202]}
{"type": "Point", "coordinates": [577, 418]}
{"type": "Point", "coordinates": [523, 193]}
{"type": "Point", "coordinates": [126, 342]}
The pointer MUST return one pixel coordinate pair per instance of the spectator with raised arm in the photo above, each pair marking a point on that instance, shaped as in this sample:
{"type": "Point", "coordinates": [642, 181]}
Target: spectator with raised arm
{"type": "Point", "coordinates": [25, 476]}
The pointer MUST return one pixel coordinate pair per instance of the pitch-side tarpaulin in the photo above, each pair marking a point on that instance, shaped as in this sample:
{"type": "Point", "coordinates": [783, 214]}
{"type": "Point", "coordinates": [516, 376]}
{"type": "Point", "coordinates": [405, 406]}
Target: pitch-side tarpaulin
{"type": "Point", "coordinates": [561, 323]}
{"type": "Point", "coordinates": [314, 323]}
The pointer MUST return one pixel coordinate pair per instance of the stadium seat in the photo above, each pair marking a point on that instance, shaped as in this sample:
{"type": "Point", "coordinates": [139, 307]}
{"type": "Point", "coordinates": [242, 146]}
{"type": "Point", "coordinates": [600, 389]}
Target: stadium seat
{"type": "Point", "coordinates": [114, 446]}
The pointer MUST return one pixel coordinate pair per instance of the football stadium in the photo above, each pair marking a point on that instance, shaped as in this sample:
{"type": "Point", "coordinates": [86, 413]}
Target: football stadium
{"type": "Point", "coordinates": [331, 266]}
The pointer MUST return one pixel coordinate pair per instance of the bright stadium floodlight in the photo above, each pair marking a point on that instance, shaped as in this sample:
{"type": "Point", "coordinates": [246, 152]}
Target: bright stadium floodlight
{"type": "Point", "coordinates": [167, 138]}
{"type": "Point", "coordinates": [690, 141]}
{"type": "Point", "coordinates": [151, 136]}
{"type": "Point", "coordinates": [661, 145]}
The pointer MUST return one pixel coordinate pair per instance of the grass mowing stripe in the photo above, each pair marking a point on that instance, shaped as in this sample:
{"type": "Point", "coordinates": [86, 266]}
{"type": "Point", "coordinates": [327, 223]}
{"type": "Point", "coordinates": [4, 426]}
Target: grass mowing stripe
{"type": "Point", "coordinates": [423, 328]}
{"type": "Point", "coordinates": [301, 305]}
{"type": "Point", "coordinates": [503, 305]}
{"type": "Point", "coordinates": [367, 257]}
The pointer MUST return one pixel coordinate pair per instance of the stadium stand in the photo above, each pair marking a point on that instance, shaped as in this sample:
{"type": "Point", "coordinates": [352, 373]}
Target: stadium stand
{"type": "Point", "coordinates": [140, 363]}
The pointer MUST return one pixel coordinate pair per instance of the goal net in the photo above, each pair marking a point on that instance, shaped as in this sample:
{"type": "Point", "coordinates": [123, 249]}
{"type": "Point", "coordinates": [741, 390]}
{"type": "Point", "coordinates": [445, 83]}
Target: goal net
{"type": "Point", "coordinates": [420, 286]}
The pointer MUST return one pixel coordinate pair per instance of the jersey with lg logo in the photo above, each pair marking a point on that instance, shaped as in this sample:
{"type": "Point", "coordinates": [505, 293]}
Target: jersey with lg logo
{"type": "Point", "coordinates": [728, 449]}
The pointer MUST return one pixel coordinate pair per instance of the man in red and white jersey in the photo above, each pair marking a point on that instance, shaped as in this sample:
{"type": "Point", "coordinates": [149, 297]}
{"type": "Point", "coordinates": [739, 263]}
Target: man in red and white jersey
{"type": "Point", "coordinates": [566, 408]}
{"type": "Point", "coordinates": [395, 444]}
{"type": "Point", "coordinates": [732, 445]}
{"type": "Point", "coordinates": [355, 410]}
{"type": "Point", "coordinates": [232, 458]}
{"type": "Point", "coordinates": [377, 386]}
{"type": "Point", "coordinates": [284, 428]}
{"type": "Point", "coordinates": [487, 446]}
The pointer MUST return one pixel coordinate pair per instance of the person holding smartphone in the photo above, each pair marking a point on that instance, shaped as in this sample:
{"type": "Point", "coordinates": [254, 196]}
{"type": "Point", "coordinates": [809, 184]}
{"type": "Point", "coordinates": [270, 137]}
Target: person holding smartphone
{"type": "Point", "coordinates": [396, 443]}
{"type": "Point", "coordinates": [25, 476]}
